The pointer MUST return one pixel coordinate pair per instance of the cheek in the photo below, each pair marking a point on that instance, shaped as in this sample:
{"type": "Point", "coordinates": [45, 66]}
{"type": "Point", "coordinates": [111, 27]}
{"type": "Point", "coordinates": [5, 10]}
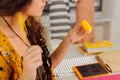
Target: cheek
{"type": "Point", "coordinates": [35, 11]}
{"type": "Point", "coordinates": [35, 8]}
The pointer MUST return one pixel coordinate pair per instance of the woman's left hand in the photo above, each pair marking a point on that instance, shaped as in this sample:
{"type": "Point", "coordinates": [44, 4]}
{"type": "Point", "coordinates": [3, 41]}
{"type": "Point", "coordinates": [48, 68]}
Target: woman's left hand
{"type": "Point", "coordinates": [76, 34]}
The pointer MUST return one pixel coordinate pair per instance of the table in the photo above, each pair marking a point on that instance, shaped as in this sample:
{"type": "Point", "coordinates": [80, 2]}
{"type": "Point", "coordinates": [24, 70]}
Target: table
{"type": "Point", "coordinates": [64, 70]}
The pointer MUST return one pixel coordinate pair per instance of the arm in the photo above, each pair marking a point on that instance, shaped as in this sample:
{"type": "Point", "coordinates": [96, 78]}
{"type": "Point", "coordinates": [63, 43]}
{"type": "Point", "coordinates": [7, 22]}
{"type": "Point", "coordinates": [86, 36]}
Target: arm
{"type": "Point", "coordinates": [74, 36]}
{"type": "Point", "coordinates": [85, 10]}
{"type": "Point", "coordinates": [60, 52]}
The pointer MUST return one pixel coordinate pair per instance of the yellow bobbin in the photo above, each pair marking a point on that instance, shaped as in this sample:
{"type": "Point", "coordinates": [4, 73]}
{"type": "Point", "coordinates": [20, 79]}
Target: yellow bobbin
{"type": "Point", "coordinates": [86, 26]}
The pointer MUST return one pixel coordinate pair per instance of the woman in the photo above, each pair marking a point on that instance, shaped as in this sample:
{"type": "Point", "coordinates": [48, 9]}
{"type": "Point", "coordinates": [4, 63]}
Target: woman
{"type": "Point", "coordinates": [22, 44]}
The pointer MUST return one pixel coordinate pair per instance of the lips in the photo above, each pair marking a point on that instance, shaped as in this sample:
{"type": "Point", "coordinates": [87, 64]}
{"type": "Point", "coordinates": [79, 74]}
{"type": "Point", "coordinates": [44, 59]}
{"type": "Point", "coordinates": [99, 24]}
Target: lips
{"type": "Point", "coordinates": [43, 7]}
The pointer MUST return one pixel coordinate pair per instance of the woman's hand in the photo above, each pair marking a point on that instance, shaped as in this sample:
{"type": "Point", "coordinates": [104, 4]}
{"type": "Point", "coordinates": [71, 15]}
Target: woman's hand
{"type": "Point", "coordinates": [32, 59]}
{"type": "Point", "coordinates": [76, 34]}
{"type": "Point", "coordinates": [89, 38]}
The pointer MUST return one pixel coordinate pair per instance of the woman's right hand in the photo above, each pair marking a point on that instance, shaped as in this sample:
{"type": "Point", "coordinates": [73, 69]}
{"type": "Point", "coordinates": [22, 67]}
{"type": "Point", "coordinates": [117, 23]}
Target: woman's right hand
{"type": "Point", "coordinates": [32, 59]}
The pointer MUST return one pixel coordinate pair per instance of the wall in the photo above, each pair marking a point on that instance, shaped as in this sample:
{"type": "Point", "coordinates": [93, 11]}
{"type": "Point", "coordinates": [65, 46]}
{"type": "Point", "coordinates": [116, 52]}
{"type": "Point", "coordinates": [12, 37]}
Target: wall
{"type": "Point", "coordinates": [107, 23]}
{"type": "Point", "coordinates": [115, 29]}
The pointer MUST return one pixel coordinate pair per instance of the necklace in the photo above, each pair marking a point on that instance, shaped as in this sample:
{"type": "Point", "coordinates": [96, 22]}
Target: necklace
{"type": "Point", "coordinates": [15, 32]}
{"type": "Point", "coordinates": [20, 39]}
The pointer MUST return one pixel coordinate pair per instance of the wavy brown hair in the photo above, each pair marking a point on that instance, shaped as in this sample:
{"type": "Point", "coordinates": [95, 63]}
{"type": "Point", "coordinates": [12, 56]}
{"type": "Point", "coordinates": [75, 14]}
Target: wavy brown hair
{"type": "Point", "coordinates": [35, 32]}
{"type": "Point", "coordinates": [10, 7]}
{"type": "Point", "coordinates": [35, 36]}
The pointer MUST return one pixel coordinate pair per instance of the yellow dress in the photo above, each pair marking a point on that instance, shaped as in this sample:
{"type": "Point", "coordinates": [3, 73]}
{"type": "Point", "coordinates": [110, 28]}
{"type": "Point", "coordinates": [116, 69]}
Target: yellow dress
{"type": "Point", "coordinates": [10, 61]}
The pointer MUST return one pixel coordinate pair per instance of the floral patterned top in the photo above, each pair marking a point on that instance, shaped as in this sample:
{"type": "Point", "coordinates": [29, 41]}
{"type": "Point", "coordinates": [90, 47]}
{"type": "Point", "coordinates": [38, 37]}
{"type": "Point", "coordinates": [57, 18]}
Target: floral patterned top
{"type": "Point", "coordinates": [10, 61]}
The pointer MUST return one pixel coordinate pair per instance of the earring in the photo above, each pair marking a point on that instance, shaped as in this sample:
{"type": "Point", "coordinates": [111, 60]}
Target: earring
{"type": "Point", "coordinates": [22, 24]}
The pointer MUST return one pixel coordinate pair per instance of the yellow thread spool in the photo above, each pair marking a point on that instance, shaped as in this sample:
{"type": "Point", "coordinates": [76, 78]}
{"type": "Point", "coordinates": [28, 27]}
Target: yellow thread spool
{"type": "Point", "coordinates": [86, 26]}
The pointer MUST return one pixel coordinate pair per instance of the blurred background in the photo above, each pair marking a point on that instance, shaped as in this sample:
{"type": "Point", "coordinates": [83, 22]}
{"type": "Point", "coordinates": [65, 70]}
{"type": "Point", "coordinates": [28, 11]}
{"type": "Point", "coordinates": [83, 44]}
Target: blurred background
{"type": "Point", "coordinates": [107, 20]}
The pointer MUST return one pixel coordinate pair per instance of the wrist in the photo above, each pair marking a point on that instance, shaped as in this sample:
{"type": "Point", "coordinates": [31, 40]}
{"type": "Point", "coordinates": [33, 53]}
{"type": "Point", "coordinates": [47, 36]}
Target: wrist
{"type": "Point", "coordinates": [24, 77]}
{"type": "Point", "coordinates": [68, 39]}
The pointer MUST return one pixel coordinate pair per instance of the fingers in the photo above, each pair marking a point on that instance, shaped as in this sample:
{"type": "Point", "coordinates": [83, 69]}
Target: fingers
{"type": "Point", "coordinates": [79, 35]}
{"type": "Point", "coordinates": [38, 63]}
{"type": "Point", "coordinates": [33, 55]}
{"type": "Point", "coordinates": [89, 38]}
{"type": "Point", "coordinates": [77, 27]}
{"type": "Point", "coordinates": [32, 59]}
{"type": "Point", "coordinates": [32, 51]}
{"type": "Point", "coordinates": [82, 36]}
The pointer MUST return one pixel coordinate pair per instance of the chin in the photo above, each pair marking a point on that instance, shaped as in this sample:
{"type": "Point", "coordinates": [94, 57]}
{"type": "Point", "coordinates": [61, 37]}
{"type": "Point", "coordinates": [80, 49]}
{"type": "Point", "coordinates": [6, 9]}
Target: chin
{"type": "Point", "coordinates": [38, 14]}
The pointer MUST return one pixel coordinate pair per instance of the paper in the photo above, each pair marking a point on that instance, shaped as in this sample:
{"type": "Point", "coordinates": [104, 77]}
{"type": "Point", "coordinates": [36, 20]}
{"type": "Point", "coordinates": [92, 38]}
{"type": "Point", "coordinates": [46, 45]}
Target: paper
{"type": "Point", "coordinates": [66, 65]}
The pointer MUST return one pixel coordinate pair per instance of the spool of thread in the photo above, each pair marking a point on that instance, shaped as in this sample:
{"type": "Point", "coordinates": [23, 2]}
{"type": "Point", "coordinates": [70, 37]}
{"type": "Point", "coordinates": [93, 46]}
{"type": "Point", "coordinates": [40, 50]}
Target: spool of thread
{"type": "Point", "coordinates": [86, 26]}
